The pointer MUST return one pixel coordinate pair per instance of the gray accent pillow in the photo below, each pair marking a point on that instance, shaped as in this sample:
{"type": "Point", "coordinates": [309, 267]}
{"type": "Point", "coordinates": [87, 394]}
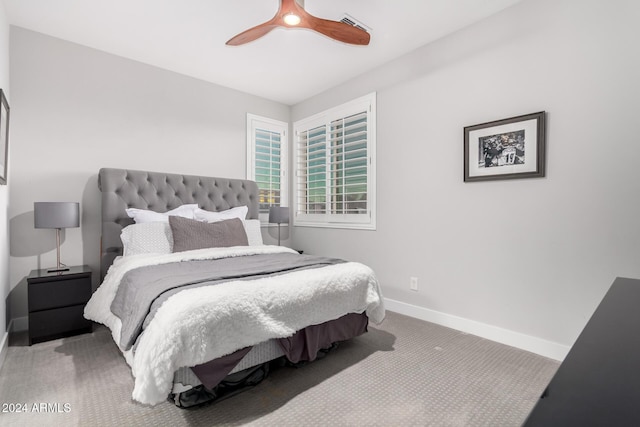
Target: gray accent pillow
{"type": "Point", "coordinates": [189, 234]}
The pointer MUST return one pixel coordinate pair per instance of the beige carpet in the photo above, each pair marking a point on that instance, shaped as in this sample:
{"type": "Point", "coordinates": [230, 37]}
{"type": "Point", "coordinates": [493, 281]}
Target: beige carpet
{"type": "Point", "coordinates": [405, 372]}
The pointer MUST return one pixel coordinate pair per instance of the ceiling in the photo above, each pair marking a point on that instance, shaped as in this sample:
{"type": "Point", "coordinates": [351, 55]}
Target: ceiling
{"type": "Point", "coordinates": [286, 65]}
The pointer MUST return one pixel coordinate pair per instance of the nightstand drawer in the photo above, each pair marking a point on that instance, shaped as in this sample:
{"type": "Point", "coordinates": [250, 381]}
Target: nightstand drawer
{"type": "Point", "coordinates": [59, 293]}
{"type": "Point", "coordinates": [44, 325]}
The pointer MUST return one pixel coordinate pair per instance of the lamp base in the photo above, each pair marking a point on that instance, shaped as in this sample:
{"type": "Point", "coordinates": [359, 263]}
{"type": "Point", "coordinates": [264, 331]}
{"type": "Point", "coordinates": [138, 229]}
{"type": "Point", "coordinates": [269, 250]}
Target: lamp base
{"type": "Point", "coordinates": [57, 270]}
{"type": "Point", "coordinates": [60, 267]}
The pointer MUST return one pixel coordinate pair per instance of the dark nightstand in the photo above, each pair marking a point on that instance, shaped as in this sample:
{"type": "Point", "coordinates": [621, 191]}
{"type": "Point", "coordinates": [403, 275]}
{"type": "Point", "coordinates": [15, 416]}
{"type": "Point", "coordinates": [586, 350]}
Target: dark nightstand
{"type": "Point", "coordinates": [56, 303]}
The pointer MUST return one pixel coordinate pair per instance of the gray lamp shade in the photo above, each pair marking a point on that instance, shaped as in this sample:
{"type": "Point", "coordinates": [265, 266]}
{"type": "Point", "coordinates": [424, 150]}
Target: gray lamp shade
{"type": "Point", "coordinates": [56, 214]}
{"type": "Point", "coordinates": [278, 214]}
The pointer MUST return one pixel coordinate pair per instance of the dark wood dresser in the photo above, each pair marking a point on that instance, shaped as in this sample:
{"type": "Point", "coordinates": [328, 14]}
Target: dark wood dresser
{"type": "Point", "coordinates": [598, 383]}
{"type": "Point", "coordinates": [56, 303]}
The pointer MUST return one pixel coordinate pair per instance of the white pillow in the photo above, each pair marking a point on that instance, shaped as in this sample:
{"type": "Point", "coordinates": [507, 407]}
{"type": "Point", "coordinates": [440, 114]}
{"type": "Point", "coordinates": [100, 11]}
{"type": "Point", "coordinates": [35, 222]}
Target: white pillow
{"type": "Point", "coordinates": [156, 238]}
{"type": "Point", "coordinates": [254, 234]}
{"type": "Point", "coordinates": [147, 238]}
{"type": "Point", "coordinates": [208, 216]}
{"type": "Point", "coordinates": [141, 216]}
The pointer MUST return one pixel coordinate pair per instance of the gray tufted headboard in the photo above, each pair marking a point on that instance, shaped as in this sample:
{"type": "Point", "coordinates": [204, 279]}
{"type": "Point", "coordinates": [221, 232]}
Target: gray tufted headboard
{"type": "Point", "coordinates": [160, 192]}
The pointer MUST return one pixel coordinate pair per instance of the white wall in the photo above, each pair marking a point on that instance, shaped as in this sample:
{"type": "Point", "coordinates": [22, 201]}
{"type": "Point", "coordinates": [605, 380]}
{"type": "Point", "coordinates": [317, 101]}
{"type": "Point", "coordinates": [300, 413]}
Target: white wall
{"type": "Point", "coordinates": [4, 190]}
{"type": "Point", "coordinates": [531, 257]}
{"type": "Point", "coordinates": [76, 109]}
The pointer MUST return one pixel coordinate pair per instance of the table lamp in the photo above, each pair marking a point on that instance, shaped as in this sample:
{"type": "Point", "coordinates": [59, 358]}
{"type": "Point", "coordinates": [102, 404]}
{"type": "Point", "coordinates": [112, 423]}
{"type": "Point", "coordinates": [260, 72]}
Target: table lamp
{"type": "Point", "coordinates": [279, 215]}
{"type": "Point", "coordinates": [56, 215]}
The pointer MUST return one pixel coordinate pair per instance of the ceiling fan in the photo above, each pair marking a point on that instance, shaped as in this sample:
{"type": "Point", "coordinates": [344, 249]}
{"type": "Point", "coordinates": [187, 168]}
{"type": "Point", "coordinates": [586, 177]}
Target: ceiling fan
{"type": "Point", "coordinates": [291, 14]}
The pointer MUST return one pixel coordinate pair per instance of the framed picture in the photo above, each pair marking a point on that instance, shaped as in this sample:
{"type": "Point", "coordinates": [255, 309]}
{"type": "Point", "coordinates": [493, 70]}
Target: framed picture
{"type": "Point", "coordinates": [505, 149]}
{"type": "Point", "coordinates": [4, 137]}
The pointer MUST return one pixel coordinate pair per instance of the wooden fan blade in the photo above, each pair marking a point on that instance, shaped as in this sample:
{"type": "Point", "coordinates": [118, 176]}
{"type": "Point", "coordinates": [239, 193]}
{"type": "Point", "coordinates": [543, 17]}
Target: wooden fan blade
{"type": "Point", "coordinates": [333, 29]}
{"type": "Point", "coordinates": [252, 34]}
{"type": "Point", "coordinates": [336, 30]}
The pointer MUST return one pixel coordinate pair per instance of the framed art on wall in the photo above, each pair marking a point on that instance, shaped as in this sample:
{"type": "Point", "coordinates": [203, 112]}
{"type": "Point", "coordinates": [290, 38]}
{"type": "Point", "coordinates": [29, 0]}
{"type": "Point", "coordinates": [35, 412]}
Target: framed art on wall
{"type": "Point", "coordinates": [4, 137]}
{"type": "Point", "coordinates": [505, 149]}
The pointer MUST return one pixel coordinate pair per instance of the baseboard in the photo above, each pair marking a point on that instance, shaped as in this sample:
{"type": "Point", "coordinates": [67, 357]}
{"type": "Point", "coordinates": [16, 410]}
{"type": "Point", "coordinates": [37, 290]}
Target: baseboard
{"type": "Point", "coordinates": [4, 347]}
{"type": "Point", "coordinates": [536, 345]}
{"type": "Point", "coordinates": [22, 322]}
{"type": "Point", "coordinates": [15, 325]}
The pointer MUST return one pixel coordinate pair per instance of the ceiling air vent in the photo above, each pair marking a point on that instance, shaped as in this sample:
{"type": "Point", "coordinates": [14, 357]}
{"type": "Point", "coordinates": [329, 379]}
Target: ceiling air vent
{"type": "Point", "coordinates": [350, 20]}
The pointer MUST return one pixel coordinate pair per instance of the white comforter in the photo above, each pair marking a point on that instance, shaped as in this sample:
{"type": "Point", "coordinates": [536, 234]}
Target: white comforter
{"type": "Point", "coordinates": [197, 325]}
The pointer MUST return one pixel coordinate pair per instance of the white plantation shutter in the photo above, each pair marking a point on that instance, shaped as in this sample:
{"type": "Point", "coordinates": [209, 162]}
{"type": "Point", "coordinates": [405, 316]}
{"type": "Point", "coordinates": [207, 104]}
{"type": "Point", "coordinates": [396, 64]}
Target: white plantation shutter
{"type": "Point", "coordinates": [349, 158]}
{"type": "Point", "coordinates": [267, 168]}
{"type": "Point", "coordinates": [312, 168]}
{"type": "Point", "coordinates": [335, 167]}
{"type": "Point", "coordinates": [267, 161]}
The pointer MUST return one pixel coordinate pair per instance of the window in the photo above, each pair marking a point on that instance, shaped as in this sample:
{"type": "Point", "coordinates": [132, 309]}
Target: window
{"type": "Point", "coordinates": [267, 161]}
{"type": "Point", "coordinates": [335, 167]}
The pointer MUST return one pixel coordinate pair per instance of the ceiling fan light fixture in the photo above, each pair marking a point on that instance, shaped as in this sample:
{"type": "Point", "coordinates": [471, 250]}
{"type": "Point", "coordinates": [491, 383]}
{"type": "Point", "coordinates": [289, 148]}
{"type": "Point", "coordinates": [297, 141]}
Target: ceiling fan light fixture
{"type": "Point", "coordinates": [291, 14]}
{"type": "Point", "coordinates": [291, 19]}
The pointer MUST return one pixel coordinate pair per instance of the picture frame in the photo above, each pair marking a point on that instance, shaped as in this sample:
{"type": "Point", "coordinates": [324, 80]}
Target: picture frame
{"type": "Point", "coordinates": [4, 138]}
{"type": "Point", "coordinates": [510, 148]}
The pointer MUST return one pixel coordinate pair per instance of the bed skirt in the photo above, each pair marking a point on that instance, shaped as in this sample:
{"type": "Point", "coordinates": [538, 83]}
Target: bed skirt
{"type": "Point", "coordinates": [224, 377]}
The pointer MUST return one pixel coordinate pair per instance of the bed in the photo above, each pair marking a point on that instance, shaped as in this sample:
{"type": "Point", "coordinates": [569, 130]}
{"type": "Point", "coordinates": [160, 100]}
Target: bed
{"type": "Point", "coordinates": [197, 320]}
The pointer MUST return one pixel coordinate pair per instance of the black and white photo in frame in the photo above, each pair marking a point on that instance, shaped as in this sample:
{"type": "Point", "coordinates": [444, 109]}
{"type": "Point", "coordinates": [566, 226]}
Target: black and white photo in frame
{"type": "Point", "coordinates": [505, 149]}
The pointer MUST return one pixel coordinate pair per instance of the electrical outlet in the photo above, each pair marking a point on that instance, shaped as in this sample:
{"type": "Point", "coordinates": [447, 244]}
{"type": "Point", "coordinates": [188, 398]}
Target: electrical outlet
{"type": "Point", "coordinates": [413, 283]}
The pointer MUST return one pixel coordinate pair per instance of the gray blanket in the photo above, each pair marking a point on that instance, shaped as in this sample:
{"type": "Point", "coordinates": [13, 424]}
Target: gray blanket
{"type": "Point", "coordinates": [143, 290]}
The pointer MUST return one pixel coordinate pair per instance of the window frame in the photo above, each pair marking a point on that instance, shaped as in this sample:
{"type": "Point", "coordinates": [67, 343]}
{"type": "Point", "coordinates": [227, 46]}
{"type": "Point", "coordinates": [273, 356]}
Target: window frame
{"type": "Point", "coordinates": [366, 104]}
{"type": "Point", "coordinates": [255, 122]}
